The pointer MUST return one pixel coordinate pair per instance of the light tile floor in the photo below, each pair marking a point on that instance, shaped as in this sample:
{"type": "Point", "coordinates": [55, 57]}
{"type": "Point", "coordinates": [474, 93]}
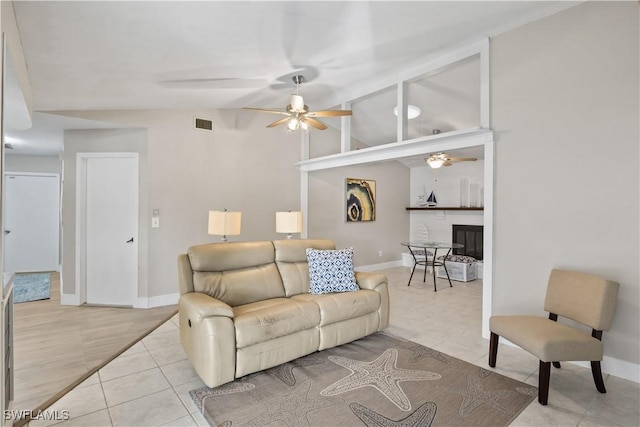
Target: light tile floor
{"type": "Point", "coordinates": [149, 384]}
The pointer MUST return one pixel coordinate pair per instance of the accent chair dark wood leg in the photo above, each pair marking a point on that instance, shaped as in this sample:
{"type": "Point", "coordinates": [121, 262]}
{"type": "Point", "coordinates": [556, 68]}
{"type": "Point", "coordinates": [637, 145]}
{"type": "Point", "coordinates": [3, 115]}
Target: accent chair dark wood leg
{"type": "Point", "coordinates": [597, 376]}
{"type": "Point", "coordinates": [556, 365]}
{"type": "Point", "coordinates": [543, 382]}
{"type": "Point", "coordinates": [493, 349]}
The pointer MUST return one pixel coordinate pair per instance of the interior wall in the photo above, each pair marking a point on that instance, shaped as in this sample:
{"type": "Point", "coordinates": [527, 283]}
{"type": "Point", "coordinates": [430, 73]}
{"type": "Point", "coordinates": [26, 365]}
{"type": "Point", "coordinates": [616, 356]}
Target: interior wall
{"type": "Point", "coordinates": [241, 166]}
{"type": "Point", "coordinates": [87, 141]}
{"type": "Point", "coordinates": [566, 120]}
{"type": "Point", "coordinates": [33, 164]}
{"type": "Point", "coordinates": [327, 214]}
{"type": "Point", "coordinates": [445, 184]}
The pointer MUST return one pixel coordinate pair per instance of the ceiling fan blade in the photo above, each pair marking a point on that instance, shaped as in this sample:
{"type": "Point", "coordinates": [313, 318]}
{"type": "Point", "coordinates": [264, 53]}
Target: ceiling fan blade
{"type": "Point", "coordinates": [462, 159]}
{"type": "Point", "coordinates": [330, 113]}
{"type": "Point", "coordinates": [297, 104]}
{"type": "Point", "coordinates": [262, 110]}
{"type": "Point", "coordinates": [315, 123]}
{"type": "Point", "coordinates": [447, 163]}
{"type": "Point", "coordinates": [213, 83]}
{"type": "Point", "coordinates": [278, 122]}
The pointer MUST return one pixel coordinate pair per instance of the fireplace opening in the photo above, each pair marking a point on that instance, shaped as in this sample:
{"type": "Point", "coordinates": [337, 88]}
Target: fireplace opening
{"type": "Point", "coordinates": [471, 237]}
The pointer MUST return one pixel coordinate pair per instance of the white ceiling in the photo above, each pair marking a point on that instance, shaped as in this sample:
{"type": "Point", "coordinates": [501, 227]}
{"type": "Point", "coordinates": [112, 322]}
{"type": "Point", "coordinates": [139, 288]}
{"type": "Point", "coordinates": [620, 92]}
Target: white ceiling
{"type": "Point", "coordinates": [97, 55]}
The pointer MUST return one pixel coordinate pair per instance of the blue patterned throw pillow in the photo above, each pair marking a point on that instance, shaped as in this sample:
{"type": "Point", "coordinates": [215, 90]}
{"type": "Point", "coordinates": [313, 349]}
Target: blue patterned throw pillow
{"type": "Point", "coordinates": [331, 271]}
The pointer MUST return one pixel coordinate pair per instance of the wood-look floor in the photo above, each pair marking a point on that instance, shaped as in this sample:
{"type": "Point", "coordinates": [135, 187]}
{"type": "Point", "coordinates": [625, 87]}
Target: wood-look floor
{"type": "Point", "coordinates": [56, 347]}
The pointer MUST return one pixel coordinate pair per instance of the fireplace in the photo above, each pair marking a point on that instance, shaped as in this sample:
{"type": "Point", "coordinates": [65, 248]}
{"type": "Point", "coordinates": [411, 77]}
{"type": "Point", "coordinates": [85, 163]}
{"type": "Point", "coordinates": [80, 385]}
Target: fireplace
{"type": "Point", "coordinates": [471, 237]}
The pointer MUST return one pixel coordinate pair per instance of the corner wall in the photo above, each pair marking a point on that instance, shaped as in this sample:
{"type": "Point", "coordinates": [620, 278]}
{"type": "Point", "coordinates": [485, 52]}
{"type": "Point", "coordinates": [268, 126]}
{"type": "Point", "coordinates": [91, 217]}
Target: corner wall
{"type": "Point", "coordinates": [241, 166]}
{"type": "Point", "coordinates": [566, 120]}
{"type": "Point", "coordinates": [327, 215]}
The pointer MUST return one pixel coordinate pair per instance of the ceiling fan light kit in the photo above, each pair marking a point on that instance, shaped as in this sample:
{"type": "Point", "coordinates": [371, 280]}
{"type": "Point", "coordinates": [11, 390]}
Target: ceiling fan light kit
{"type": "Point", "coordinates": [298, 115]}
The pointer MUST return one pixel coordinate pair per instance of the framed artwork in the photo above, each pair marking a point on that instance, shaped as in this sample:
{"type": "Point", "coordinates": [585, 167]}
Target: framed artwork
{"type": "Point", "coordinates": [361, 200]}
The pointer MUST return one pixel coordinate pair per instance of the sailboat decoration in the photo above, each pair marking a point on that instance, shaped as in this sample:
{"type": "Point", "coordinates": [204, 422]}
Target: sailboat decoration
{"type": "Point", "coordinates": [431, 201]}
{"type": "Point", "coordinates": [428, 201]}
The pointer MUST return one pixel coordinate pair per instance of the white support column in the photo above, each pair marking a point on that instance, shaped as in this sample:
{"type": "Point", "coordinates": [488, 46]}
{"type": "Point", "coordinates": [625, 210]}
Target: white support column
{"type": "Point", "coordinates": [402, 111]}
{"type": "Point", "coordinates": [304, 184]}
{"type": "Point", "coordinates": [487, 243]}
{"type": "Point", "coordinates": [345, 130]}
{"type": "Point", "coordinates": [304, 202]}
{"type": "Point", "coordinates": [304, 145]}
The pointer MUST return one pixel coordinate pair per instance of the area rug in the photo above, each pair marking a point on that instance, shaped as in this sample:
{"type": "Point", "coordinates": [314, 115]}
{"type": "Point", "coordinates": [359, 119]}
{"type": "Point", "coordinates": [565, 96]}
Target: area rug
{"type": "Point", "coordinates": [378, 380]}
{"type": "Point", "coordinates": [31, 287]}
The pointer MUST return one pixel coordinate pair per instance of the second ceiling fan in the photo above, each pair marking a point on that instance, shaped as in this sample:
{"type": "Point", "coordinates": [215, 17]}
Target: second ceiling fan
{"type": "Point", "coordinates": [298, 115]}
{"type": "Point", "coordinates": [443, 159]}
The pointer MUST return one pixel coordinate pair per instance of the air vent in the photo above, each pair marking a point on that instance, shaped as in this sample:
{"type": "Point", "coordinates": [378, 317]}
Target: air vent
{"type": "Point", "coordinates": [203, 124]}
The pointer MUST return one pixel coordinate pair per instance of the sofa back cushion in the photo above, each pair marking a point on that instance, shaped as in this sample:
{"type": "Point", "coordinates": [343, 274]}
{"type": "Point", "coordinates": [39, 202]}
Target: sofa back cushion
{"type": "Point", "coordinates": [291, 259]}
{"type": "Point", "coordinates": [236, 273]}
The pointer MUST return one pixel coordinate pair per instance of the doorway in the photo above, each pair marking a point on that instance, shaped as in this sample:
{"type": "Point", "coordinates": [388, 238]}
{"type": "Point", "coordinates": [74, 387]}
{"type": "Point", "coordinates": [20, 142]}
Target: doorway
{"type": "Point", "coordinates": [32, 222]}
{"type": "Point", "coordinates": [107, 228]}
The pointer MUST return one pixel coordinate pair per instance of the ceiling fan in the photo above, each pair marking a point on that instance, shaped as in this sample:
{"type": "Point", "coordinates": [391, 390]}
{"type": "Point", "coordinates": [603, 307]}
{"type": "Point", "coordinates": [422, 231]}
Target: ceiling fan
{"type": "Point", "coordinates": [443, 159]}
{"type": "Point", "coordinates": [297, 113]}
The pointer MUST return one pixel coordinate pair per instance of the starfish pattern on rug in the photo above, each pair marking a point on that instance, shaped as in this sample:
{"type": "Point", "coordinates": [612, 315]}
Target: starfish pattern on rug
{"type": "Point", "coordinates": [382, 374]}
{"type": "Point", "coordinates": [199, 395]}
{"type": "Point", "coordinates": [421, 417]}
{"type": "Point", "coordinates": [421, 352]}
{"type": "Point", "coordinates": [285, 371]}
{"type": "Point", "coordinates": [474, 396]}
{"type": "Point", "coordinates": [292, 408]}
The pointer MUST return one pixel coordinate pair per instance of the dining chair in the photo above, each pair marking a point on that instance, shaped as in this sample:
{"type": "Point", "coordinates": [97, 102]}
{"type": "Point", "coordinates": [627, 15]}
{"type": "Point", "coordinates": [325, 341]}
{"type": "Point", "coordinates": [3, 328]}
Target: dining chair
{"type": "Point", "coordinates": [584, 298]}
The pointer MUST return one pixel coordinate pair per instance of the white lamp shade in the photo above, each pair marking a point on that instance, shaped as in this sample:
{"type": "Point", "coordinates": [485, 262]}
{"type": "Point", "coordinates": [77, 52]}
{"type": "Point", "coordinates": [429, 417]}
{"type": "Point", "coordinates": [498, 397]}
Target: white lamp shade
{"type": "Point", "coordinates": [224, 223]}
{"type": "Point", "coordinates": [288, 222]}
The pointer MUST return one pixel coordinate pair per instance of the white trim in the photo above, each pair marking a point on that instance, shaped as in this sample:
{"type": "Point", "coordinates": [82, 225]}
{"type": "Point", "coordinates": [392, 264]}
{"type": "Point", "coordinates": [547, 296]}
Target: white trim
{"type": "Point", "coordinates": [52, 174]}
{"type": "Point", "coordinates": [402, 124]}
{"type": "Point", "coordinates": [485, 86]}
{"type": "Point", "coordinates": [433, 62]}
{"type": "Point", "coordinates": [397, 150]}
{"type": "Point", "coordinates": [345, 130]}
{"type": "Point", "coordinates": [69, 299]}
{"type": "Point", "coordinates": [487, 243]}
{"type": "Point", "coordinates": [381, 266]}
{"type": "Point", "coordinates": [157, 301]}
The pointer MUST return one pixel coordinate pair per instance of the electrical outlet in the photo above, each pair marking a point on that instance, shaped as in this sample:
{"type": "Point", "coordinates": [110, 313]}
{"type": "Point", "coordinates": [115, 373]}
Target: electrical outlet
{"type": "Point", "coordinates": [155, 222]}
{"type": "Point", "coordinates": [379, 253]}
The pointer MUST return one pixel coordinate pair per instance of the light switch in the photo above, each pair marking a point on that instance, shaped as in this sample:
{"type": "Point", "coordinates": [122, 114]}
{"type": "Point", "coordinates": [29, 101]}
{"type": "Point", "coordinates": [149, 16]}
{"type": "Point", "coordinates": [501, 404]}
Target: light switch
{"type": "Point", "coordinates": [155, 222]}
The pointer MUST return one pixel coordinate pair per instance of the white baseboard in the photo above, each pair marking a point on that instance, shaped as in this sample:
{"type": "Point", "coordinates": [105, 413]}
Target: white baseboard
{"type": "Point", "coordinates": [69, 299]}
{"type": "Point", "coordinates": [381, 266]}
{"type": "Point", "coordinates": [157, 301]}
{"type": "Point", "coordinates": [610, 365]}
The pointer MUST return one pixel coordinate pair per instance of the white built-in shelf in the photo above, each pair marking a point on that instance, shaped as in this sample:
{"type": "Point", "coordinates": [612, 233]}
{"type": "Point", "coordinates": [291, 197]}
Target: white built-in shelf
{"type": "Point", "coordinates": [442, 208]}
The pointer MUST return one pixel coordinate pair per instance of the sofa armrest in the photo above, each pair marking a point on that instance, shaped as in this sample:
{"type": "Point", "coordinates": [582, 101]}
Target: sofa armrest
{"type": "Point", "coordinates": [200, 306]}
{"type": "Point", "coordinates": [370, 280]}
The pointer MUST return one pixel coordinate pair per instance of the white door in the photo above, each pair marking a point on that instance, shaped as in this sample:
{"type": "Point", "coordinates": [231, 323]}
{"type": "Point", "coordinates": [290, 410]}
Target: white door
{"type": "Point", "coordinates": [111, 230]}
{"type": "Point", "coordinates": [31, 222]}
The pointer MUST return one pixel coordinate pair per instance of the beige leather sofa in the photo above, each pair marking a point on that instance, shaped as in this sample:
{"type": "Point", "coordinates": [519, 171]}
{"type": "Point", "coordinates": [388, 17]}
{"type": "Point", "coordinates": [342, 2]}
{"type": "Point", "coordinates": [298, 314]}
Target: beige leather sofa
{"type": "Point", "coordinates": [246, 306]}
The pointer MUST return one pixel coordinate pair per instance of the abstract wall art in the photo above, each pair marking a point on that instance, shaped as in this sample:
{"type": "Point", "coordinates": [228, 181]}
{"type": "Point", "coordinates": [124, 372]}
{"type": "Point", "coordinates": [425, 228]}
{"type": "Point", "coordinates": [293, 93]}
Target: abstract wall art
{"type": "Point", "coordinates": [361, 200]}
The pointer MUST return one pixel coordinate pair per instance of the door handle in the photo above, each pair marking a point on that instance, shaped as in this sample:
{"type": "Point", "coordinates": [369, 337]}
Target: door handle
{"type": "Point", "coordinates": [130, 240]}
{"type": "Point", "coordinates": [7, 231]}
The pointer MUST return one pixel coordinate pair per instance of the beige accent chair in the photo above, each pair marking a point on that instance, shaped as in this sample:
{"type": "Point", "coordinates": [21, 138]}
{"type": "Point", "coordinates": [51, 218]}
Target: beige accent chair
{"type": "Point", "coordinates": [587, 299]}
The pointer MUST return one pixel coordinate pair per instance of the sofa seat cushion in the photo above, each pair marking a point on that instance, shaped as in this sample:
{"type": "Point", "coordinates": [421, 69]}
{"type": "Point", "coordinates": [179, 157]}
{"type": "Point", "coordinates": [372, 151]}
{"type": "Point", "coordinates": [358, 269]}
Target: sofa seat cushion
{"type": "Point", "coordinates": [273, 318]}
{"type": "Point", "coordinates": [342, 306]}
